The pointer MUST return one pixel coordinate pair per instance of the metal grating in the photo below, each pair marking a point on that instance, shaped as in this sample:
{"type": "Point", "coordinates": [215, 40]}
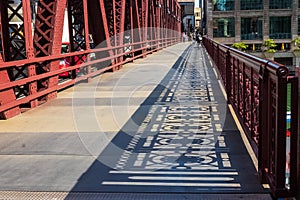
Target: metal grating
{"type": "Point", "coordinates": [12, 195]}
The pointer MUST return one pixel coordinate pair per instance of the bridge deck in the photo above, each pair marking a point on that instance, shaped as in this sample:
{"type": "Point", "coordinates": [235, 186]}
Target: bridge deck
{"type": "Point", "coordinates": [160, 128]}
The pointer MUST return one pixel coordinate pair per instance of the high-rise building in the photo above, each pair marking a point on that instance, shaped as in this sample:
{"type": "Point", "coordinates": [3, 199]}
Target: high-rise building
{"type": "Point", "coordinates": [254, 21]}
{"type": "Point", "coordinates": [198, 19]}
{"type": "Point", "coordinates": [200, 3]}
{"type": "Point", "coordinates": [188, 19]}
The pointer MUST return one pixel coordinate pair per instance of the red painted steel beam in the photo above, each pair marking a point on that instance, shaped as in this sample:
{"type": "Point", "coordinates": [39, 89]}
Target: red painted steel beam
{"type": "Point", "coordinates": [158, 19]}
{"type": "Point", "coordinates": [88, 36]}
{"type": "Point", "coordinates": [78, 31]}
{"type": "Point", "coordinates": [151, 20]}
{"type": "Point", "coordinates": [7, 95]}
{"type": "Point", "coordinates": [29, 49]}
{"type": "Point", "coordinates": [48, 38]}
{"type": "Point", "coordinates": [141, 21]}
{"type": "Point", "coordinates": [95, 22]}
{"type": "Point", "coordinates": [113, 15]}
{"type": "Point", "coordinates": [5, 30]}
{"type": "Point", "coordinates": [106, 8]}
{"type": "Point", "coordinates": [137, 36]}
{"type": "Point", "coordinates": [119, 28]}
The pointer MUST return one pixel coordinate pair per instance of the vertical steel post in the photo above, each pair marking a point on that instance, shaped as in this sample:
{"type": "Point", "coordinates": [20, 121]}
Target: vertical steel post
{"type": "Point", "coordinates": [136, 26]}
{"type": "Point", "coordinates": [48, 39]}
{"type": "Point", "coordinates": [120, 6]}
{"type": "Point", "coordinates": [228, 79]}
{"type": "Point", "coordinates": [158, 22]}
{"type": "Point", "coordinates": [96, 22]}
{"type": "Point", "coordinates": [294, 186]}
{"type": "Point", "coordinates": [77, 31]}
{"type": "Point", "coordinates": [263, 150]}
{"type": "Point", "coordinates": [7, 95]}
{"type": "Point", "coordinates": [107, 11]}
{"type": "Point", "coordinates": [87, 38]}
{"type": "Point", "coordinates": [29, 48]}
{"type": "Point", "coordinates": [145, 18]}
{"type": "Point", "coordinates": [280, 127]}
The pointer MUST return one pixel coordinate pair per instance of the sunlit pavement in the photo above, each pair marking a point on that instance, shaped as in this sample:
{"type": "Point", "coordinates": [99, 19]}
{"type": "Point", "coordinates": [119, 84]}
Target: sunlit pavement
{"type": "Point", "coordinates": [159, 128]}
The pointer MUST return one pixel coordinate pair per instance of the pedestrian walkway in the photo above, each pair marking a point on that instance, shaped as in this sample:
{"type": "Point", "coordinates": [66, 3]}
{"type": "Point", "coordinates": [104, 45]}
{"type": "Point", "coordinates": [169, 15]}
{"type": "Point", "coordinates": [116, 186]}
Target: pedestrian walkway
{"type": "Point", "coordinates": [159, 128]}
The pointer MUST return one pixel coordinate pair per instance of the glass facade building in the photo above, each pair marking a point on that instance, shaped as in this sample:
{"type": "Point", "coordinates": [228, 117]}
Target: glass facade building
{"type": "Point", "coordinates": [252, 4]}
{"type": "Point", "coordinates": [224, 27]}
{"type": "Point", "coordinates": [251, 28]}
{"type": "Point", "coordinates": [223, 5]}
{"type": "Point", "coordinates": [280, 27]}
{"type": "Point", "coordinates": [253, 21]}
{"type": "Point", "coordinates": [280, 4]}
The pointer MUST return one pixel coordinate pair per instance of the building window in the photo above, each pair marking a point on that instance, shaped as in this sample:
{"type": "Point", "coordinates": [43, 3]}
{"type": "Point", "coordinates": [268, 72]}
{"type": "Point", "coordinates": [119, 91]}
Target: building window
{"type": "Point", "coordinates": [252, 4]}
{"type": "Point", "coordinates": [280, 27]}
{"type": "Point", "coordinates": [251, 28]}
{"type": "Point", "coordinates": [283, 46]}
{"type": "Point", "coordinates": [286, 61]}
{"type": "Point", "coordinates": [280, 4]}
{"type": "Point", "coordinates": [223, 5]}
{"type": "Point", "coordinates": [298, 25]}
{"type": "Point", "coordinates": [224, 27]}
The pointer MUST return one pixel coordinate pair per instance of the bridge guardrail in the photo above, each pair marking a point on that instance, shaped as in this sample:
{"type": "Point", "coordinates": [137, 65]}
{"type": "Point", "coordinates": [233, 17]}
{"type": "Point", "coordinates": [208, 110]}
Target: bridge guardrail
{"type": "Point", "coordinates": [257, 89]}
{"type": "Point", "coordinates": [20, 87]}
{"type": "Point", "coordinates": [32, 71]}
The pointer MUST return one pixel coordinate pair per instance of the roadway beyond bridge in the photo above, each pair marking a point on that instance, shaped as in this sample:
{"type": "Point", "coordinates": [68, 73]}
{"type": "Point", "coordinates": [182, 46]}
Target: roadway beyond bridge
{"type": "Point", "coordinates": [160, 128]}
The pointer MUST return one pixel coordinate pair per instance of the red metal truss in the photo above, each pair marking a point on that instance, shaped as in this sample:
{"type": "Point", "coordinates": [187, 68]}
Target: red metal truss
{"type": "Point", "coordinates": [31, 69]}
{"type": "Point", "coordinates": [48, 38]}
{"type": "Point", "coordinates": [113, 14]}
{"type": "Point", "coordinates": [78, 30]}
{"type": "Point", "coordinates": [14, 42]}
{"type": "Point", "coordinates": [31, 41]}
{"type": "Point", "coordinates": [13, 37]}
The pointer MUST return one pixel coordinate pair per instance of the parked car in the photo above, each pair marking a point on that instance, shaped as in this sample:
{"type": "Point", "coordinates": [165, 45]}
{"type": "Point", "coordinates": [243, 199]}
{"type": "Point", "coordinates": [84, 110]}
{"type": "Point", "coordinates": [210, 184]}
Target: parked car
{"type": "Point", "coordinates": [63, 64]}
{"type": "Point", "coordinates": [66, 62]}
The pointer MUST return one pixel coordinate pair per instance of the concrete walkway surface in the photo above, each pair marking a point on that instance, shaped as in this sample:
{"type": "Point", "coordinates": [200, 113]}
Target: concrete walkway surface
{"type": "Point", "coordinates": [159, 128]}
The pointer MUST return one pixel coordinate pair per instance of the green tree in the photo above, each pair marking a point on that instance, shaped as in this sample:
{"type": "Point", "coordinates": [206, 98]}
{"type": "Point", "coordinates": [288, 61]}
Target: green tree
{"type": "Point", "coordinates": [270, 45]}
{"type": "Point", "coordinates": [297, 43]}
{"type": "Point", "coordinates": [240, 46]}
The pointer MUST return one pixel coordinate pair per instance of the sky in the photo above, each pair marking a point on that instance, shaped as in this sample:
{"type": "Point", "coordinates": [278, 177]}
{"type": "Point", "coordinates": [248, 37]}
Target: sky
{"type": "Point", "coordinates": [197, 4]}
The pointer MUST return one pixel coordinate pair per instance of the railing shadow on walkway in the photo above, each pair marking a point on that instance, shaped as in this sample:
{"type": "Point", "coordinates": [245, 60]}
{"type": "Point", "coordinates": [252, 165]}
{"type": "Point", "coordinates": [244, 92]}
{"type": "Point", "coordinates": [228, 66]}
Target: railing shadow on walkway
{"type": "Point", "coordinates": [175, 143]}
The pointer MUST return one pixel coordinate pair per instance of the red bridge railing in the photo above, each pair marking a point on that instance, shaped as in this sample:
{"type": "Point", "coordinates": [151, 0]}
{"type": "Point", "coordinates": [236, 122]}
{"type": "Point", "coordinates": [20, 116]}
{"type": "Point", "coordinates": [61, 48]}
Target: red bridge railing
{"type": "Point", "coordinates": [101, 35]}
{"type": "Point", "coordinates": [262, 96]}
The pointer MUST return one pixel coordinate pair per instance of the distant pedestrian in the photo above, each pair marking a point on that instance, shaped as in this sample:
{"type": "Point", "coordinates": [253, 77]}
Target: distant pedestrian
{"type": "Point", "coordinates": [198, 39]}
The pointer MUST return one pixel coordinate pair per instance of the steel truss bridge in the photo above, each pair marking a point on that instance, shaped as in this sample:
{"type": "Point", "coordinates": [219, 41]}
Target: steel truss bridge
{"type": "Point", "coordinates": [103, 35]}
{"type": "Point", "coordinates": [31, 51]}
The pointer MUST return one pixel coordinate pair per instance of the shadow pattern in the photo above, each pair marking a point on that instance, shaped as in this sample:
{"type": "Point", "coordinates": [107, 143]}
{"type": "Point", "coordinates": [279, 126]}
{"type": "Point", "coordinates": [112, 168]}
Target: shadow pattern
{"type": "Point", "coordinates": [182, 139]}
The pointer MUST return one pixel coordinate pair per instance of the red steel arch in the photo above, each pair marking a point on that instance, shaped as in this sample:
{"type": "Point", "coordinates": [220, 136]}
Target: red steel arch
{"type": "Point", "coordinates": [31, 35]}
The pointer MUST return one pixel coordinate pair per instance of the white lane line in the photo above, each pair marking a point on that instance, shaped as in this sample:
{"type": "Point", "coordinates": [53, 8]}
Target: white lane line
{"type": "Point", "coordinates": [173, 173]}
{"type": "Point", "coordinates": [234, 185]}
{"type": "Point", "coordinates": [166, 178]}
